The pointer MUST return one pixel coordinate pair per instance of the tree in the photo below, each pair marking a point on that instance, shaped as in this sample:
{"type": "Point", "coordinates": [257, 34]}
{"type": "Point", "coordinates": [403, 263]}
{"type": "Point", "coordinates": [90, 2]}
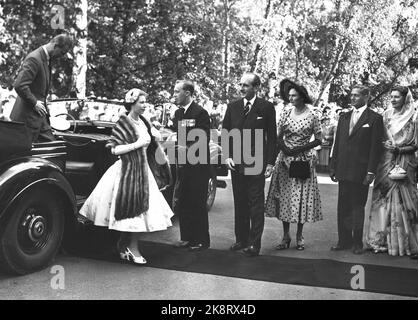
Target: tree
{"type": "Point", "coordinates": [326, 45]}
{"type": "Point", "coordinates": [26, 26]}
{"type": "Point", "coordinates": [329, 45]}
{"type": "Point", "coordinates": [80, 50]}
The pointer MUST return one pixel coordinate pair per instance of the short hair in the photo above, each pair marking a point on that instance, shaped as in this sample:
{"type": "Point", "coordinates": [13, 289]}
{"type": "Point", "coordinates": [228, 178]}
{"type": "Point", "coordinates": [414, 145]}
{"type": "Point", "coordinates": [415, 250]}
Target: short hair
{"type": "Point", "coordinates": [187, 85]}
{"type": "Point", "coordinates": [256, 79]}
{"type": "Point", "coordinates": [63, 40]}
{"type": "Point", "coordinates": [401, 89]}
{"type": "Point", "coordinates": [128, 106]}
{"type": "Point", "coordinates": [364, 90]}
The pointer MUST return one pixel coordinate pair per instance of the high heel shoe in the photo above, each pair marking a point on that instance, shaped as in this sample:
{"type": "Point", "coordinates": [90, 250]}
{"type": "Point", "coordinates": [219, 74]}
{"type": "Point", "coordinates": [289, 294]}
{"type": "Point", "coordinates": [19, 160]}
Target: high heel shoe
{"type": "Point", "coordinates": [285, 244]}
{"type": "Point", "coordinates": [300, 243]}
{"type": "Point", "coordinates": [128, 255]}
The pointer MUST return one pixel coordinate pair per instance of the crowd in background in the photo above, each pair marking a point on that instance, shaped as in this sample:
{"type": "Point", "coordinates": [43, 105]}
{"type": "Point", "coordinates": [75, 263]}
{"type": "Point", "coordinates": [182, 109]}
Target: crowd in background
{"type": "Point", "coordinates": [162, 114]}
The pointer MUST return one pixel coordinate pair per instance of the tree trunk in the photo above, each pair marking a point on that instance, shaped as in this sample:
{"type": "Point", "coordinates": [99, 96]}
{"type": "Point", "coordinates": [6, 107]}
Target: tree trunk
{"type": "Point", "coordinates": [329, 77]}
{"type": "Point", "coordinates": [80, 50]}
{"type": "Point", "coordinates": [295, 42]}
{"type": "Point", "coordinates": [226, 40]}
{"type": "Point", "coordinates": [389, 86]}
{"type": "Point", "coordinates": [257, 50]}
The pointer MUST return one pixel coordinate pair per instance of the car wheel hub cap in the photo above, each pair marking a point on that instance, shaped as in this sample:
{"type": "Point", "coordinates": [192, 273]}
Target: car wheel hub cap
{"type": "Point", "coordinates": [36, 228]}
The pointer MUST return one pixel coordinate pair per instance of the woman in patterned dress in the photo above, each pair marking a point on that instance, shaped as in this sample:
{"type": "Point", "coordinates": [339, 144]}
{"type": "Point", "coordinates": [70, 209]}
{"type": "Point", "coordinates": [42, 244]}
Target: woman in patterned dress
{"type": "Point", "coordinates": [128, 197]}
{"type": "Point", "coordinates": [393, 215]}
{"type": "Point", "coordinates": [293, 200]}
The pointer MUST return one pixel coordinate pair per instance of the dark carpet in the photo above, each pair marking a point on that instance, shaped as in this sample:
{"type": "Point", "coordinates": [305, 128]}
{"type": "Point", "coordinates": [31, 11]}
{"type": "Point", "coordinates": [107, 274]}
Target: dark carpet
{"type": "Point", "coordinates": [307, 272]}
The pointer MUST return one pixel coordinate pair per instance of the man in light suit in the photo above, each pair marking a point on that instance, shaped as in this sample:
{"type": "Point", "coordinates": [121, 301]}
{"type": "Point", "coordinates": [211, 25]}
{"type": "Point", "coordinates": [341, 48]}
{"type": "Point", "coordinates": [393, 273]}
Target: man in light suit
{"type": "Point", "coordinates": [32, 86]}
{"type": "Point", "coordinates": [248, 116]}
{"type": "Point", "coordinates": [356, 153]}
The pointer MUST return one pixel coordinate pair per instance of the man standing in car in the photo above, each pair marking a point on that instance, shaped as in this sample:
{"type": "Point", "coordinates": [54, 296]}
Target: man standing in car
{"type": "Point", "coordinates": [32, 86]}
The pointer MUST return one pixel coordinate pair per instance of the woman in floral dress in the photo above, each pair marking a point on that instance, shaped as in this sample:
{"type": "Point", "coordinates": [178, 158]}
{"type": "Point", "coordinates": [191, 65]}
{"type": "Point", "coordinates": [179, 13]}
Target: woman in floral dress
{"type": "Point", "coordinates": [393, 215]}
{"type": "Point", "coordinates": [293, 200]}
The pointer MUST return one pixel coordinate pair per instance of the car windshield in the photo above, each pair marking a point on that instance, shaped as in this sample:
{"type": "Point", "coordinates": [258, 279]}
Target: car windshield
{"type": "Point", "coordinates": [107, 110]}
{"type": "Point", "coordinates": [86, 109]}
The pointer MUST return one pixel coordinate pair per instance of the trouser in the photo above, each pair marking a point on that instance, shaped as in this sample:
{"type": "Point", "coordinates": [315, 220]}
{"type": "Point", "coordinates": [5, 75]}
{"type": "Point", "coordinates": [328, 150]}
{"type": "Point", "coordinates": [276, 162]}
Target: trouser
{"type": "Point", "coordinates": [352, 198]}
{"type": "Point", "coordinates": [249, 208]}
{"type": "Point", "coordinates": [191, 205]}
{"type": "Point", "coordinates": [39, 128]}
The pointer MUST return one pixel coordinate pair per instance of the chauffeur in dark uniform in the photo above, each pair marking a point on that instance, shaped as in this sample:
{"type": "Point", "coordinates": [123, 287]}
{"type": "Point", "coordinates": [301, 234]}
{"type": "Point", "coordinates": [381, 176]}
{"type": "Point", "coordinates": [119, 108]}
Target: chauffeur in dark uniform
{"type": "Point", "coordinates": [356, 152]}
{"type": "Point", "coordinates": [32, 86]}
{"type": "Point", "coordinates": [248, 116]}
{"type": "Point", "coordinates": [192, 174]}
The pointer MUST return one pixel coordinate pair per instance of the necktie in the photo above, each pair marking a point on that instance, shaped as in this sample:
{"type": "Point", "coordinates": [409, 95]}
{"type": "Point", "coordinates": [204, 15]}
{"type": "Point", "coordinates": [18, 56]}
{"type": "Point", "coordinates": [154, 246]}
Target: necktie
{"type": "Point", "coordinates": [247, 108]}
{"type": "Point", "coordinates": [181, 114]}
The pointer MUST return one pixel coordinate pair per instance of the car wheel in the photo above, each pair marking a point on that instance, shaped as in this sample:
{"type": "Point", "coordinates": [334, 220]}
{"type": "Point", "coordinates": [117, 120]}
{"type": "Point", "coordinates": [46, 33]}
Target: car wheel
{"type": "Point", "coordinates": [211, 192]}
{"type": "Point", "coordinates": [33, 233]}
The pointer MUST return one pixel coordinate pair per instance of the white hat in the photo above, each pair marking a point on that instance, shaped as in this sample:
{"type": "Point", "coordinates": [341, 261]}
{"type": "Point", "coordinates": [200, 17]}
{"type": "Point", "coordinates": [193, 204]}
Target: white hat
{"type": "Point", "coordinates": [132, 95]}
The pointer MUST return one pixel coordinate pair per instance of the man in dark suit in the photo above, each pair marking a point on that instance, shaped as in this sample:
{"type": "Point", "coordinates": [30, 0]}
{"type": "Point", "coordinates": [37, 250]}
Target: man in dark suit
{"type": "Point", "coordinates": [256, 118]}
{"type": "Point", "coordinates": [356, 153]}
{"type": "Point", "coordinates": [193, 168]}
{"type": "Point", "coordinates": [32, 86]}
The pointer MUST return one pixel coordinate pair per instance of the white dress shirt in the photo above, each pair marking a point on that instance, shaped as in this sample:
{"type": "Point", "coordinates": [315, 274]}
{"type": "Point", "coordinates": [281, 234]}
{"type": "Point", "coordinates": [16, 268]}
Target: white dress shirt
{"type": "Point", "coordinates": [357, 114]}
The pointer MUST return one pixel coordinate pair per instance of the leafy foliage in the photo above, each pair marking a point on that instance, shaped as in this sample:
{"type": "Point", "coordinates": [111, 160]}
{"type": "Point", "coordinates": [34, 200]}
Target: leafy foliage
{"type": "Point", "coordinates": [327, 45]}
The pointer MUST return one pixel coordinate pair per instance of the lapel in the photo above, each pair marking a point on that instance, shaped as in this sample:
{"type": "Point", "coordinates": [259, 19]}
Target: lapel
{"type": "Point", "coordinates": [345, 125]}
{"type": "Point", "coordinates": [238, 110]}
{"type": "Point", "coordinates": [189, 111]}
{"type": "Point", "coordinates": [363, 120]}
{"type": "Point", "coordinates": [46, 68]}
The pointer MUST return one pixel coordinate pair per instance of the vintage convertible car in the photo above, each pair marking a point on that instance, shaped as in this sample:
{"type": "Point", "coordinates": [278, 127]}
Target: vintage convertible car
{"type": "Point", "coordinates": [43, 185]}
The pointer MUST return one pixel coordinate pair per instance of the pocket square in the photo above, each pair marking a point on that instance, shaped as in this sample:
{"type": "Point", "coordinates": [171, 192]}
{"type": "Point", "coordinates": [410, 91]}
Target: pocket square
{"type": "Point", "coordinates": [366, 126]}
{"type": "Point", "coordinates": [259, 118]}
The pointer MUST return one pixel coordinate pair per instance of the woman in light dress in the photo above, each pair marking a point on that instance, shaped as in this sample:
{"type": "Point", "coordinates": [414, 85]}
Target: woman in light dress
{"type": "Point", "coordinates": [393, 215]}
{"type": "Point", "coordinates": [128, 196]}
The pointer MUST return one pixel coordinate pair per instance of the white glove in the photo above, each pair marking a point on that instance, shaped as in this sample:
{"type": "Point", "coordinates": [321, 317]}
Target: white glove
{"type": "Point", "coordinates": [230, 164]}
{"type": "Point", "coordinates": [142, 142]}
{"type": "Point", "coordinates": [126, 148]}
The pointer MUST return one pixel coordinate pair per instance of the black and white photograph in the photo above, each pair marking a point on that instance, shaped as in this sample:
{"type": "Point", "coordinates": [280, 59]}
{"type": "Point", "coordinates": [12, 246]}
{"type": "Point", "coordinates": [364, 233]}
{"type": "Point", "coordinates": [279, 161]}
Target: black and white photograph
{"type": "Point", "coordinates": [209, 155]}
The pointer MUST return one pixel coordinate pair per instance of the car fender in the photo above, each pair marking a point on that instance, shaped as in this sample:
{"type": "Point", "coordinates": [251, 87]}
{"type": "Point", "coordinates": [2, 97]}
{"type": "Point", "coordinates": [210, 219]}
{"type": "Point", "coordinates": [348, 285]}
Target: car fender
{"type": "Point", "coordinates": [20, 175]}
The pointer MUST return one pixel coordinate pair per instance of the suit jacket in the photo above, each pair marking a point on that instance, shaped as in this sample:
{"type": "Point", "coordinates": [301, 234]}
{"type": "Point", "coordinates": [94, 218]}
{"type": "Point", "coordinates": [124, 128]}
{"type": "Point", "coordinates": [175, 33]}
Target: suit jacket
{"type": "Point", "coordinates": [32, 83]}
{"type": "Point", "coordinates": [261, 116]}
{"type": "Point", "coordinates": [200, 120]}
{"type": "Point", "coordinates": [356, 154]}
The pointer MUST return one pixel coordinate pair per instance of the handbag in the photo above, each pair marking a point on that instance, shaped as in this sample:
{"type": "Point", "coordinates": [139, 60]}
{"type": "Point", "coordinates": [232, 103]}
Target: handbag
{"type": "Point", "coordinates": [300, 169]}
{"type": "Point", "coordinates": [14, 139]}
{"type": "Point", "coordinates": [397, 173]}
